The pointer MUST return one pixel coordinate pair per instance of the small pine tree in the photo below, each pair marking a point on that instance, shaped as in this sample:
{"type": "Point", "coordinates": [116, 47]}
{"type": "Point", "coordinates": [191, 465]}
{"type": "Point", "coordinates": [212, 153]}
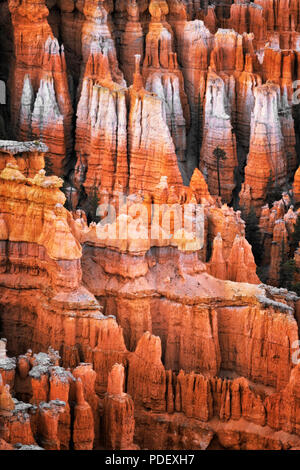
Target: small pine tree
{"type": "Point", "coordinates": [253, 235]}
{"type": "Point", "coordinates": [220, 156]}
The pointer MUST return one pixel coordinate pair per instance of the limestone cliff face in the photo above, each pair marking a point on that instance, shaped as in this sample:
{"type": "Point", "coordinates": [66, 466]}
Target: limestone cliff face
{"type": "Point", "coordinates": [40, 102]}
{"type": "Point", "coordinates": [249, 18]}
{"type": "Point", "coordinates": [215, 403]}
{"type": "Point", "coordinates": [163, 76]}
{"type": "Point", "coordinates": [146, 115]}
{"type": "Point", "coordinates": [239, 266]}
{"type": "Point", "coordinates": [245, 86]}
{"type": "Point", "coordinates": [267, 140]}
{"type": "Point", "coordinates": [109, 135]}
{"type": "Point", "coordinates": [218, 133]}
{"type": "Point", "coordinates": [132, 40]}
{"type": "Point", "coordinates": [118, 408]}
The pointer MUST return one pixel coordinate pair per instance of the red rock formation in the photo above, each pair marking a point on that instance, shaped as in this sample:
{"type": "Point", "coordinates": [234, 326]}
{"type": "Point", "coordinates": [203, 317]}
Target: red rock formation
{"type": "Point", "coordinates": [199, 186]}
{"type": "Point", "coordinates": [87, 376]}
{"type": "Point", "coordinates": [29, 156]}
{"type": "Point", "coordinates": [50, 422]}
{"type": "Point", "coordinates": [146, 375]}
{"type": "Point", "coordinates": [40, 104]}
{"type": "Point", "coordinates": [266, 144]}
{"type": "Point", "coordinates": [282, 408]}
{"type": "Point", "coordinates": [296, 186]}
{"type": "Point", "coordinates": [218, 133]}
{"type": "Point", "coordinates": [163, 76]}
{"type": "Point", "coordinates": [267, 223]}
{"type": "Point", "coordinates": [228, 223]}
{"type": "Point", "coordinates": [118, 412]}
{"type": "Point", "coordinates": [278, 66]}
{"type": "Point", "coordinates": [6, 401]}
{"type": "Point", "coordinates": [217, 265]}
{"type": "Point", "coordinates": [109, 350]}
{"type": "Point", "coordinates": [147, 380]}
{"type": "Point", "coordinates": [239, 266]}
{"type": "Point", "coordinates": [59, 390]}
{"type": "Point", "coordinates": [195, 38]}
{"type": "Point", "coordinates": [5, 446]}
{"type": "Point", "coordinates": [249, 18]}
{"type": "Point", "coordinates": [283, 18]}
{"type": "Point", "coordinates": [288, 132]}
{"type": "Point", "coordinates": [279, 251]}
{"type": "Point", "coordinates": [245, 85]}
{"type": "Point", "coordinates": [7, 365]}
{"type": "Point", "coordinates": [95, 29]}
{"type": "Point", "coordinates": [58, 263]}
{"type": "Point", "coordinates": [167, 88]}
{"type": "Point", "coordinates": [223, 55]}
{"type": "Point", "coordinates": [83, 433]}
{"type": "Point", "coordinates": [132, 41]}
{"type": "Point", "coordinates": [147, 168]}
{"type": "Point", "coordinates": [6, 44]}
{"type": "Point", "coordinates": [19, 425]}
{"type": "Point", "coordinates": [101, 140]}
{"type": "Point", "coordinates": [71, 22]}
{"type": "Point", "coordinates": [210, 19]}
{"type": "Point", "coordinates": [102, 151]}
{"type": "Point", "coordinates": [45, 123]}
{"type": "Point", "coordinates": [22, 383]}
{"type": "Point", "coordinates": [202, 398]}
{"type": "Point", "coordinates": [277, 225]}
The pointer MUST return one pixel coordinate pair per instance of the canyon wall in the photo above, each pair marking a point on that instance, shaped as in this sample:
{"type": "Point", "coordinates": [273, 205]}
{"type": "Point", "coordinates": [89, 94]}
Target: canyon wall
{"type": "Point", "coordinates": [149, 322]}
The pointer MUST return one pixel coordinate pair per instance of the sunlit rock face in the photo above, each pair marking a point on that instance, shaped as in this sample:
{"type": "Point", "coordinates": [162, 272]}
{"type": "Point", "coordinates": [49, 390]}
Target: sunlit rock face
{"type": "Point", "coordinates": [40, 102]}
{"type": "Point", "coordinates": [149, 204]}
{"type": "Point", "coordinates": [218, 133]}
{"type": "Point", "coordinates": [96, 29]}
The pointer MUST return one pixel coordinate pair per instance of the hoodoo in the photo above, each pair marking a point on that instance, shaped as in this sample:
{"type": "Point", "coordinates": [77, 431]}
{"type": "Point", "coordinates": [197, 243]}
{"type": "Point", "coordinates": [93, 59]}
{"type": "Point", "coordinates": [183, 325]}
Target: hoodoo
{"type": "Point", "coordinates": [149, 225]}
